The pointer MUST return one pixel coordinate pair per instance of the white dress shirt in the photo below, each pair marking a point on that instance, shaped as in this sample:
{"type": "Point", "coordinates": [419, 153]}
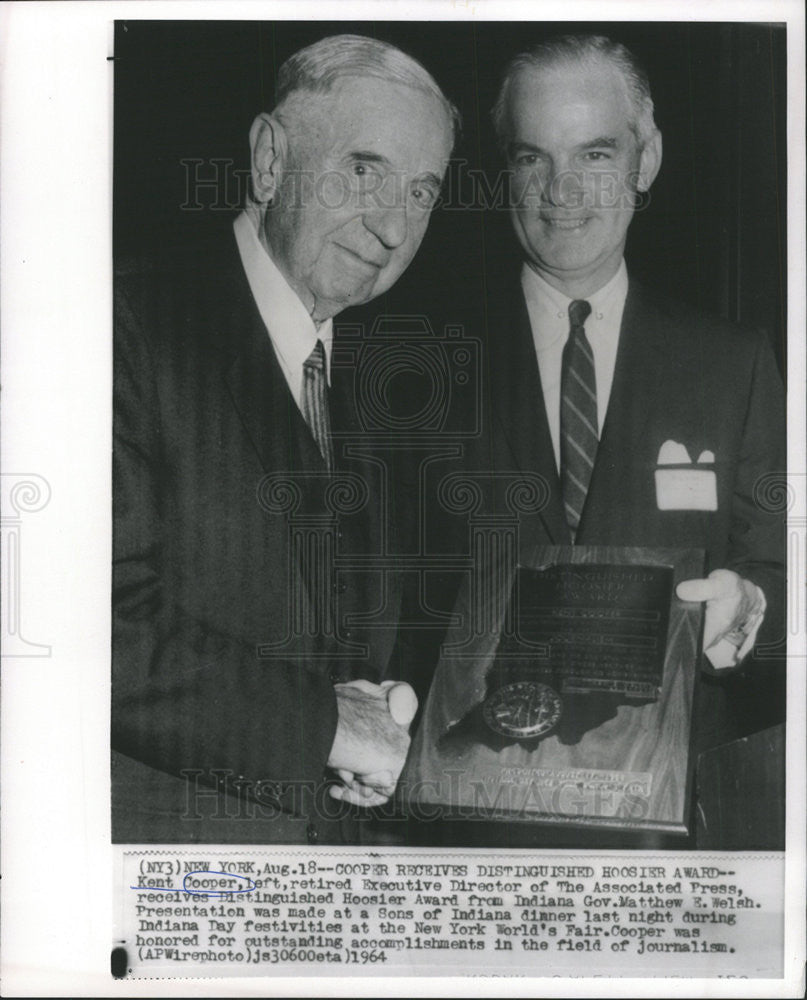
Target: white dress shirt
{"type": "Point", "coordinates": [549, 318]}
{"type": "Point", "coordinates": [291, 330]}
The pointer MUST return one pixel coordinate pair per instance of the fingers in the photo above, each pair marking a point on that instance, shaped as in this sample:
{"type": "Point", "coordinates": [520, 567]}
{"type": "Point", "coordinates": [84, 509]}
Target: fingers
{"type": "Point", "coordinates": [357, 797]}
{"type": "Point", "coordinates": [378, 781]}
{"type": "Point", "coordinates": [719, 584]}
{"type": "Point", "coordinates": [734, 609]}
{"type": "Point", "coordinates": [401, 699]}
{"type": "Point", "coordinates": [403, 703]}
{"type": "Point", "coordinates": [362, 686]}
{"type": "Point", "coordinates": [695, 590]}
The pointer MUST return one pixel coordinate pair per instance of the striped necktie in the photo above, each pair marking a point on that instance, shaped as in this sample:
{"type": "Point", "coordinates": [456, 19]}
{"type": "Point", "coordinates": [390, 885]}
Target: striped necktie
{"type": "Point", "coordinates": [315, 402]}
{"type": "Point", "coordinates": [579, 435]}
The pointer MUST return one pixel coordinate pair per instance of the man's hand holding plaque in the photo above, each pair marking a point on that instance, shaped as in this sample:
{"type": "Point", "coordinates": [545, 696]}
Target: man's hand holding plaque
{"type": "Point", "coordinates": [734, 611]}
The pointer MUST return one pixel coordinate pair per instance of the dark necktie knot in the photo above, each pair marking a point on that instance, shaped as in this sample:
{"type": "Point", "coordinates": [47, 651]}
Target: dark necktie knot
{"type": "Point", "coordinates": [579, 312]}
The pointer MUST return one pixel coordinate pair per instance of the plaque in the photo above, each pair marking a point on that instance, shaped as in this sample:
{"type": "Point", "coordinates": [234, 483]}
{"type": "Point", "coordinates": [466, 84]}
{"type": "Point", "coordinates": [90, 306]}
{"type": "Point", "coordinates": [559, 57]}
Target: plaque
{"type": "Point", "coordinates": [564, 695]}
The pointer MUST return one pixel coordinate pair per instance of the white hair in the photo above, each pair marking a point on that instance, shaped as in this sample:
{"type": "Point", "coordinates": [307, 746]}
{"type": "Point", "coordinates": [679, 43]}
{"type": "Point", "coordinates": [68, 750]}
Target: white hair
{"type": "Point", "coordinates": [586, 50]}
{"type": "Point", "coordinates": [317, 68]}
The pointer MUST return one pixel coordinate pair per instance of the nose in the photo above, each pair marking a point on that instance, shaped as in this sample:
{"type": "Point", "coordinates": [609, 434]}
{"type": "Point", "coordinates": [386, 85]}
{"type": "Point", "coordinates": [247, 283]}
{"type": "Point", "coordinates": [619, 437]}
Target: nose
{"type": "Point", "coordinates": [562, 186]}
{"type": "Point", "coordinates": [385, 214]}
{"type": "Point", "coordinates": [388, 223]}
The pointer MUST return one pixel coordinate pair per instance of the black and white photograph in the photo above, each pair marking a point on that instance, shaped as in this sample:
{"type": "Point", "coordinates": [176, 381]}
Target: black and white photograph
{"type": "Point", "coordinates": [304, 504]}
{"type": "Point", "coordinates": [447, 570]}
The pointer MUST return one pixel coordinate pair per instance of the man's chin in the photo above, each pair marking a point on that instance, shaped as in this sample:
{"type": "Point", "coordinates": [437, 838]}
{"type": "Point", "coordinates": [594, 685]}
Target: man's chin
{"type": "Point", "coordinates": [564, 254]}
{"type": "Point", "coordinates": [336, 300]}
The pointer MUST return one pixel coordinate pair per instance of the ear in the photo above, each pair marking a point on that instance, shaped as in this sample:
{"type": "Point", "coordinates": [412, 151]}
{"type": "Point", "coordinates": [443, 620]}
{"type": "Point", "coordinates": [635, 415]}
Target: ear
{"type": "Point", "coordinates": [649, 162]}
{"type": "Point", "coordinates": [269, 149]}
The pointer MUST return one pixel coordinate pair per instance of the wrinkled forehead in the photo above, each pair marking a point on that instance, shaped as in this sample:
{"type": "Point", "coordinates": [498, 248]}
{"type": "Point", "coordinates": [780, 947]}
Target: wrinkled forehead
{"type": "Point", "coordinates": [363, 102]}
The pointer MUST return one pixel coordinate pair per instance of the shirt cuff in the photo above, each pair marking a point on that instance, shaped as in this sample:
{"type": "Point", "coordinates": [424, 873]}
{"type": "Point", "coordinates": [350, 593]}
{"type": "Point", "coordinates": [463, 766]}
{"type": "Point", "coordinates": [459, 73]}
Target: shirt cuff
{"type": "Point", "coordinates": [733, 647]}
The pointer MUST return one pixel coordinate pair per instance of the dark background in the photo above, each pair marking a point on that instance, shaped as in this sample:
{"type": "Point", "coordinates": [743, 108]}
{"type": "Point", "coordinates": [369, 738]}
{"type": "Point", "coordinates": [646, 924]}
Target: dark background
{"type": "Point", "coordinates": [712, 233]}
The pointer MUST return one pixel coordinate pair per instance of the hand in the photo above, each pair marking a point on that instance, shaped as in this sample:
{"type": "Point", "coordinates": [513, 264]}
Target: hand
{"type": "Point", "coordinates": [372, 739]}
{"type": "Point", "coordinates": [734, 611]}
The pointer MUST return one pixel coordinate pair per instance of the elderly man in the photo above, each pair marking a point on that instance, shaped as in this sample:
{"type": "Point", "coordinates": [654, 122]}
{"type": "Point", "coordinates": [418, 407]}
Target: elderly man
{"type": "Point", "coordinates": [239, 691]}
{"type": "Point", "coordinates": [652, 425]}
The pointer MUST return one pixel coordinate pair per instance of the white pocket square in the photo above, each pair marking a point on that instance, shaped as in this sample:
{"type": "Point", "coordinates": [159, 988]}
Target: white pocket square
{"type": "Point", "coordinates": [673, 453]}
{"type": "Point", "coordinates": [687, 486]}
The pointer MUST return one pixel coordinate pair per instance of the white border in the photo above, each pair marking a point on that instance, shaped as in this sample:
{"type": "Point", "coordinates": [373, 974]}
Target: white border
{"type": "Point", "coordinates": [56, 306]}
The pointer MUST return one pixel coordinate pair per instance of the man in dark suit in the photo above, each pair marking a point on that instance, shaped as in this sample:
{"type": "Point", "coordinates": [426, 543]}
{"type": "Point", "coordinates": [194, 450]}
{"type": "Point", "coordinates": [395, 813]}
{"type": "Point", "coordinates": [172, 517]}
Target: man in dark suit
{"type": "Point", "coordinates": [651, 425]}
{"type": "Point", "coordinates": [610, 418]}
{"type": "Point", "coordinates": [253, 676]}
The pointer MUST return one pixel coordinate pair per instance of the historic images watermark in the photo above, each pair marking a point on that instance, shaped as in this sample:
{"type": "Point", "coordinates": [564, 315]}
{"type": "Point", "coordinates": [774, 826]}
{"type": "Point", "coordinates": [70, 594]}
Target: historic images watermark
{"type": "Point", "coordinates": [218, 184]}
{"type": "Point", "coordinates": [219, 794]}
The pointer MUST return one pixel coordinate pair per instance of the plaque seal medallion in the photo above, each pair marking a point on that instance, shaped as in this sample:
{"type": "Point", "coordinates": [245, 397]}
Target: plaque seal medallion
{"type": "Point", "coordinates": [523, 710]}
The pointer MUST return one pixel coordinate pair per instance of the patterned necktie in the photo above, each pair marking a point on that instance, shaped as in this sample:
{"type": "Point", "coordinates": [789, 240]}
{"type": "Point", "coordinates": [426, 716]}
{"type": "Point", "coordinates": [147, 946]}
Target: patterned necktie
{"type": "Point", "coordinates": [315, 402]}
{"type": "Point", "coordinates": [579, 436]}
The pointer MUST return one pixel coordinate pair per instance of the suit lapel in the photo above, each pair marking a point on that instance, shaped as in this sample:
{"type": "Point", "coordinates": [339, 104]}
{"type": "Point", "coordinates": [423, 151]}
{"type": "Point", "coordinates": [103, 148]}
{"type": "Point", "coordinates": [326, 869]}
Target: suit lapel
{"type": "Point", "coordinates": [517, 402]}
{"type": "Point", "coordinates": [261, 395]}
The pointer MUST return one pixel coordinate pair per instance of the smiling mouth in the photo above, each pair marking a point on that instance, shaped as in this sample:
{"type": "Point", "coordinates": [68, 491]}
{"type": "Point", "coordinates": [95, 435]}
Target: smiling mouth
{"type": "Point", "coordinates": [565, 224]}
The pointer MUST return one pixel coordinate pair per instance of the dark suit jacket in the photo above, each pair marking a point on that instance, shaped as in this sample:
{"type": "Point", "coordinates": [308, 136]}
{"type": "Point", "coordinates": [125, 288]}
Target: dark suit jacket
{"type": "Point", "coordinates": [683, 377]}
{"type": "Point", "coordinates": [203, 576]}
{"type": "Point", "coordinates": [680, 376]}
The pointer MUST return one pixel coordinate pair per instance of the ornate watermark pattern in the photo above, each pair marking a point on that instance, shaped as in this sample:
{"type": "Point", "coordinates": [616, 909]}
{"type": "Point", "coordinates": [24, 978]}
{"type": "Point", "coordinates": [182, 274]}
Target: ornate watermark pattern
{"type": "Point", "coordinates": [494, 503]}
{"type": "Point", "coordinates": [414, 397]}
{"type": "Point", "coordinates": [776, 493]}
{"type": "Point", "coordinates": [20, 493]}
{"type": "Point", "coordinates": [313, 561]}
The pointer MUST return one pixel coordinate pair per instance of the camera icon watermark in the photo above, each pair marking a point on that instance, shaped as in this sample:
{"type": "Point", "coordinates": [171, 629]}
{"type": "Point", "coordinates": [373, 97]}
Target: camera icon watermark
{"type": "Point", "coordinates": [409, 381]}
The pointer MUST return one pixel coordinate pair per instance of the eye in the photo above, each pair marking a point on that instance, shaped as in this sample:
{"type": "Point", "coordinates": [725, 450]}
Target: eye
{"type": "Point", "coordinates": [364, 170]}
{"type": "Point", "coordinates": [596, 155]}
{"type": "Point", "coordinates": [526, 159]}
{"type": "Point", "coordinates": [424, 195]}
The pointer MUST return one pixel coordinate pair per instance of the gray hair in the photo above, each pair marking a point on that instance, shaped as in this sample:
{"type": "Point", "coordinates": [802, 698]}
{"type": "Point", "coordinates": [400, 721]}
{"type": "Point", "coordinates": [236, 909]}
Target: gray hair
{"type": "Point", "coordinates": [587, 50]}
{"type": "Point", "coordinates": [317, 68]}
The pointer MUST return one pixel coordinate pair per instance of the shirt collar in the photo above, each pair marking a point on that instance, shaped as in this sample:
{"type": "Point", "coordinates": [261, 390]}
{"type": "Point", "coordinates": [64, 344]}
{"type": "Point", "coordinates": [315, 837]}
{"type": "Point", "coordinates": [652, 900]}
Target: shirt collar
{"type": "Point", "coordinates": [552, 301]}
{"type": "Point", "coordinates": [292, 331]}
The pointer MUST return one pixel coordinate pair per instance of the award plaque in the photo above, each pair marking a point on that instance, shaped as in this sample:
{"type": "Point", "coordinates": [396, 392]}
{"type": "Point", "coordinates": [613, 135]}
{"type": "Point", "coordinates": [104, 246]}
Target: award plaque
{"type": "Point", "coordinates": [564, 695]}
